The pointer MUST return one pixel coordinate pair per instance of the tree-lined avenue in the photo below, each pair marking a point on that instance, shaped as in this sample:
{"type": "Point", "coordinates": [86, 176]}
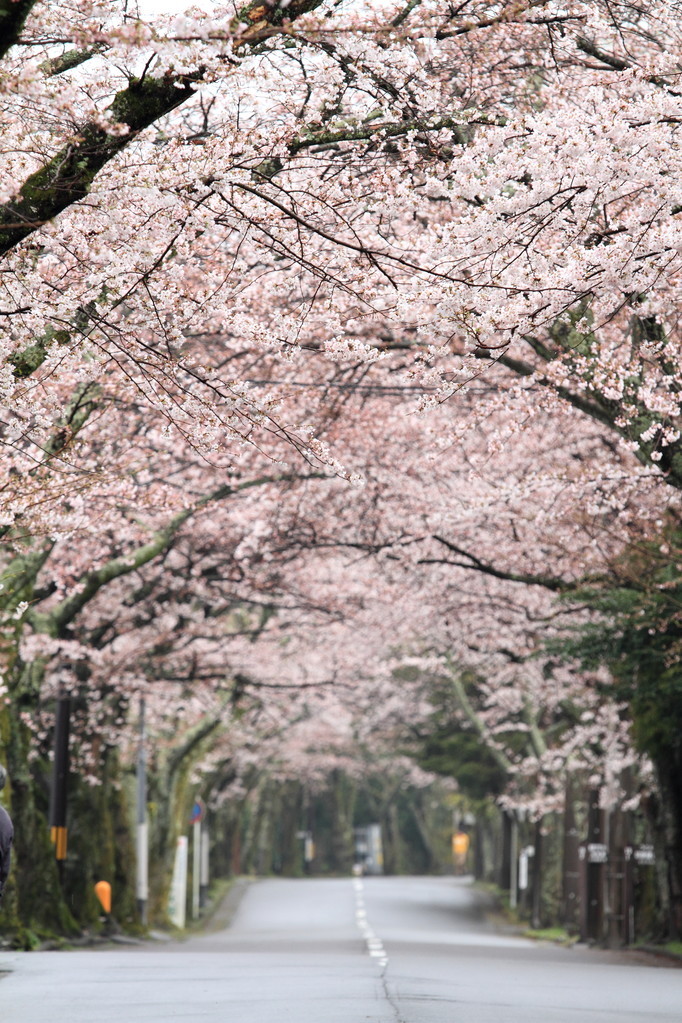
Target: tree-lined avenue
{"type": "Point", "coordinates": [385, 950]}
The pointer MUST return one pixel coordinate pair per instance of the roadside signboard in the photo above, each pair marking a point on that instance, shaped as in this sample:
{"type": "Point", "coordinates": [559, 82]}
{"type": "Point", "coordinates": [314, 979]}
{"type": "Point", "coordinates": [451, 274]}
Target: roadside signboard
{"type": "Point", "coordinates": [645, 856]}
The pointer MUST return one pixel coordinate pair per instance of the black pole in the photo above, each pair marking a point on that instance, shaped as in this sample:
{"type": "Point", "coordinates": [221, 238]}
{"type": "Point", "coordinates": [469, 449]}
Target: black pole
{"type": "Point", "coordinates": [506, 866]}
{"type": "Point", "coordinates": [595, 868]}
{"type": "Point", "coordinates": [60, 780]}
{"type": "Point", "coordinates": [536, 894]}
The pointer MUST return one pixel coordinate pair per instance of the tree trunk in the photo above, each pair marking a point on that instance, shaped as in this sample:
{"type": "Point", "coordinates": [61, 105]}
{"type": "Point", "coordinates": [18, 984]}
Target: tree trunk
{"type": "Point", "coordinates": [669, 834]}
{"type": "Point", "coordinates": [342, 792]}
{"type": "Point", "coordinates": [38, 901]}
{"type": "Point", "coordinates": [595, 871]}
{"type": "Point", "coordinates": [506, 867]}
{"type": "Point", "coordinates": [570, 903]}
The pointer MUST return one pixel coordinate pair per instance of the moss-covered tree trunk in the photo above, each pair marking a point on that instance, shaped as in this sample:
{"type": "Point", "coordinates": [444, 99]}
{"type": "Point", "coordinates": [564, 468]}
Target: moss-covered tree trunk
{"type": "Point", "coordinates": [169, 788]}
{"type": "Point", "coordinates": [290, 822]}
{"type": "Point", "coordinates": [101, 845]}
{"type": "Point", "coordinates": [394, 858]}
{"type": "Point", "coordinates": [342, 794]}
{"type": "Point", "coordinates": [37, 905]}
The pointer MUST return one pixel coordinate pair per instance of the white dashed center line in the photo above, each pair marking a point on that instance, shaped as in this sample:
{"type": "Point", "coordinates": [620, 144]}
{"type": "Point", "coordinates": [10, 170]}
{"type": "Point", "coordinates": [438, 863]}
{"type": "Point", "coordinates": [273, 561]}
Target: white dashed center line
{"type": "Point", "coordinates": [374, 944]}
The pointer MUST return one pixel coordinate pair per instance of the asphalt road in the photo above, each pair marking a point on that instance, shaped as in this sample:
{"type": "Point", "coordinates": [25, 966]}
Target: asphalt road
{"type": "Point", "coordinates": [376, 950]}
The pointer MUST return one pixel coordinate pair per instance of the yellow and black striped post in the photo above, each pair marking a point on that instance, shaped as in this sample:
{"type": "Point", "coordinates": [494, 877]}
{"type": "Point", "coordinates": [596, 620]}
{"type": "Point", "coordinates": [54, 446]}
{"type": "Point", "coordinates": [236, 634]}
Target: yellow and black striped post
{"type": "Point", "coordinates": [59, 841]}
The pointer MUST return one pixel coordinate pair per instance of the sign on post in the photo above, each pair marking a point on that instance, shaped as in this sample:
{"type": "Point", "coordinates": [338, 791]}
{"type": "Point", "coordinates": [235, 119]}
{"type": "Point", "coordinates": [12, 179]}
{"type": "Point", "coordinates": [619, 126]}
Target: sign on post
{"type": "Point", "coordinates": [460, 848]}
{"type": "Point", "coordinates": [524, 856]}
{"type": "Point", "coordinates": [645, 856]}
{"type": "Point", "coordinates": [196, 817]}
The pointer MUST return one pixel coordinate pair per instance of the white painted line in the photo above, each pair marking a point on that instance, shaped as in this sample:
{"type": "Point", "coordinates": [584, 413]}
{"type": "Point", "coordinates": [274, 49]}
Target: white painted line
{"type": "Point", "coordinates": [375, 946]}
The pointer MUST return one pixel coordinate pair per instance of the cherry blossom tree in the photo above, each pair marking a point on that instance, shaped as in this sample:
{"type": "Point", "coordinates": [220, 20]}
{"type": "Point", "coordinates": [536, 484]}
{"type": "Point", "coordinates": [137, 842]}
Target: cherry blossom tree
{"type": "Point", "coordinates": [431, 247]}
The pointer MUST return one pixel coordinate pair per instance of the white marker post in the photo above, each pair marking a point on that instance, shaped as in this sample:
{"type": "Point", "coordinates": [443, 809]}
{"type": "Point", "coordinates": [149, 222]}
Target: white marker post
{"type": "Point", "coordinates": [177, 900]}
{"type": "Point", "coordinates": [142, 878]}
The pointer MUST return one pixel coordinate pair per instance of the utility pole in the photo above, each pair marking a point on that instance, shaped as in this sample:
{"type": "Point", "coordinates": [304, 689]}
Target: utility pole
{"type": "Point", "coordinates": [142, 880]}
{"type": "Point", "coordinates": [536, 893]}
{"type": "Point", "coordinates": [60, 781]}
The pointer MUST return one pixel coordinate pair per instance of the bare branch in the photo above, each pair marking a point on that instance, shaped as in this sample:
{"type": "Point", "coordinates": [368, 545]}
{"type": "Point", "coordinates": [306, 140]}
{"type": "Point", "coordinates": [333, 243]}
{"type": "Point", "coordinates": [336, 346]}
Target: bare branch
{"type": "Point", "coordinates": [472, 562]}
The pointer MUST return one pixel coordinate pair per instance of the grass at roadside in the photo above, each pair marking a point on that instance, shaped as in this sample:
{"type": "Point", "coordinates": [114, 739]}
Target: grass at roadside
{"type": "Point", "coordinates": [559, 935]}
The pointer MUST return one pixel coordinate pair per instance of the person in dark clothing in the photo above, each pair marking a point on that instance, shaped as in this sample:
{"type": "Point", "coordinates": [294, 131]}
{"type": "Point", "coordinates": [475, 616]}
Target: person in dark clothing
{"type": "Point", "coordinates": [6, 836]}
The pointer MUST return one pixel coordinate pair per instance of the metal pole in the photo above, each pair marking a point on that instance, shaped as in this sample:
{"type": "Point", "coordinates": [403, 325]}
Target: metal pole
{"type": "Point", "coordinates": [514, 862]}
{"type": "Point", "coordinates": [196, 867]}
{"type": "Point", "coordinates": [583, 901]}
{"type": "Point", "coordinates": [536, 905]}
{"type": "Point", "coordinates": [142, 880]}
{"type": "Point", "coordinates": [60, 781]}
{"type": "Point", "coordinates": [627, 898]}
{"type": "Point", "coordinates": [205, 864]}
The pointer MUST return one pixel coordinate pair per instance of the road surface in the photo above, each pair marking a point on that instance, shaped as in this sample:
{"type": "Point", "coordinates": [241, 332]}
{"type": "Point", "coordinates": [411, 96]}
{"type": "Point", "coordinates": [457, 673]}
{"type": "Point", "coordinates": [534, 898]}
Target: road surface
{"type": "Point", "coordinates": [373, 950]}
